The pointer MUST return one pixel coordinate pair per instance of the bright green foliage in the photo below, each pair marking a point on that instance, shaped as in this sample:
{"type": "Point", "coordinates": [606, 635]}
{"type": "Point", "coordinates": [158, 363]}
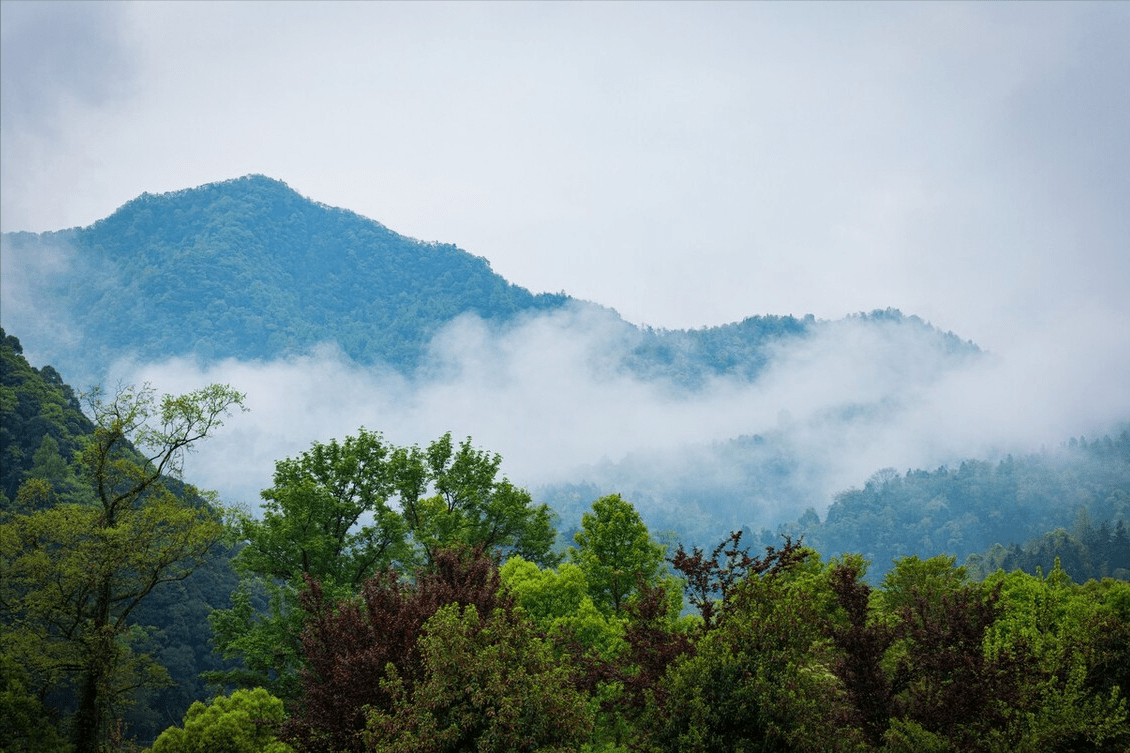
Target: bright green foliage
{"type": "Point", "coordinates": [327, 516]}
{"type": "Point", "coordinates": [245, 722]}
{"type": "Point", "coordinates": [75, 572]}
{"type": "Point", "coordinates": [1077, 643]}
{"type": "Point", "coordinates": [912, 577]}
{"type": "Point", "coordinates": [488, 685]}
{"type": "Point", "coordinates": [907, 736]}
{"type": "Point", "coordinates": [558, 601]}
{"type": "Point", "coordinates": [452, 494]}
{"type": "Point", "coordinates": [311, 520]}
{"type": "Point", "coordinates": [760, 680]}
{"type": "Point", "coordinates": [615, 550]}
{"type": "Point", "coordinates": [342, 511]}
{"type": "Point", "coordinates": [265, 640]}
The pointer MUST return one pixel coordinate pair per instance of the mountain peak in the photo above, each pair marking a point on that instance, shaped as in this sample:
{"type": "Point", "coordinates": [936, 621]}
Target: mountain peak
{"type": "Point", "coordinates": [249, 268]}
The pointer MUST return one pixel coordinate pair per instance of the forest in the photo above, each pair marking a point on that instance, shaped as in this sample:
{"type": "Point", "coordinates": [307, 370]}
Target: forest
{"type": "Point", "coordinates": [390, 598]}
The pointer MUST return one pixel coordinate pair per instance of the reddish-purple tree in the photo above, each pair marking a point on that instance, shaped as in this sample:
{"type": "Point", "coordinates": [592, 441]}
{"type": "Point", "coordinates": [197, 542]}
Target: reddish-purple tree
{"type": "Point", "coordinates": [709, 580]}
{"type": "Point", "coordinates": [349, 644]}
{"type": "Point", "coordinates": [863, 643]}
{"type": "Point", "coordinates": [946, 682]}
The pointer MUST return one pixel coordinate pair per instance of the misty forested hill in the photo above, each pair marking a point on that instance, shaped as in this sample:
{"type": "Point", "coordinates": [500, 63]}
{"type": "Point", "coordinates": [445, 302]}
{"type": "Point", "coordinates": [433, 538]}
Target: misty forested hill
{"type": "Point", "coordinates": [250, 269]}
{"type": "Point", "coordinates": [989, 510]}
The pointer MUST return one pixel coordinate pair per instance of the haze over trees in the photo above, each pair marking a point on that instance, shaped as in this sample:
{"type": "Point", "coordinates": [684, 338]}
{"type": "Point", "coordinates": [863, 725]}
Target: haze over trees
{"type": "Point", "coordinates": [248, 268]}
{"type": "Point", "coordinates": [406, 598]}
{"type": "Point", "coordinates": [251, 271]}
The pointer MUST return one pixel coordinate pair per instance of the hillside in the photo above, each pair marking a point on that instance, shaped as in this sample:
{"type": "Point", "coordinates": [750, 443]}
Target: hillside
{"type": "Point", "coordinates": [979, 507]}
{"type": "Point", "coordinates": [41, 421]}
{"type": "Point", "coordinates": [248, 268]}
{"type": "Point", "coordinates": [41, 427]}
{"type": "Point", "coordinates": [707, 429]}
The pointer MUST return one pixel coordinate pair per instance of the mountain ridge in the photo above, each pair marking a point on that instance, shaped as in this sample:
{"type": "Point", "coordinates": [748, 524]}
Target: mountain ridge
{"type": "Point", "coordinates": [248, 268]}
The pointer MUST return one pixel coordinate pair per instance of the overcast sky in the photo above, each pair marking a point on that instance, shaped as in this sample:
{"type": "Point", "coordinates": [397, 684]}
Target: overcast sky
{"type": "Point", "coordinates": [686, 164]}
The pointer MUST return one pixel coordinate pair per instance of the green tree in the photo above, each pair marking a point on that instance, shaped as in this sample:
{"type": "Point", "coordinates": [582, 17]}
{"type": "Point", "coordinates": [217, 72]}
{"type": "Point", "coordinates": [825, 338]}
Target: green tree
{"type": "Point", "coordinates": [761, 679]}
{"type": "Point", "coordinates": [245, 722]}
{"type": "Point", "coordinates": [453, 494]}
{"type": "Point", "coordinates": [489, 683]}
{"type": "Point", "coordinates": [49, 465]}
{"type": "Point", "coordinates": [342, 511]}
{"type": "Point", "coordinates": [74, 573]}
{"type": "Point", "coordinates": [559, 603]}
{"type": "Point", "coordinates": [1074, 642]}
{"type": "Point", "coordinates": [615, 550]}
{"type": "Point", "coordinates": [327, 516]}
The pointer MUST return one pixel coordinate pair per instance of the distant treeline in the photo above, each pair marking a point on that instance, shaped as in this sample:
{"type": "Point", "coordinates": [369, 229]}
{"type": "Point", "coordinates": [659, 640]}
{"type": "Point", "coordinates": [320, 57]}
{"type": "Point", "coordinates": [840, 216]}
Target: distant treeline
{"type": "Point", "coordinates": [982, 508]}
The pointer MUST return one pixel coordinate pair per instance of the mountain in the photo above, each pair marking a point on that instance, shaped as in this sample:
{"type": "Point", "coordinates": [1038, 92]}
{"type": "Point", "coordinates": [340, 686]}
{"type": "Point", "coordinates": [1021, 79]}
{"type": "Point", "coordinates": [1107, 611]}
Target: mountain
{"type": "Point", "coordinates": [249, 269]}
{"type": "Point", "coordinates": [704, 429]}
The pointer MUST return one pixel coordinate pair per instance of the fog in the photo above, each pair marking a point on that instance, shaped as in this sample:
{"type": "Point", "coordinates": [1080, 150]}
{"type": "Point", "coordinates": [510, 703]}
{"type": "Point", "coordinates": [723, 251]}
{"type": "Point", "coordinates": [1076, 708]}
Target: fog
{"type": "Point", "coordinates": [548, 395]}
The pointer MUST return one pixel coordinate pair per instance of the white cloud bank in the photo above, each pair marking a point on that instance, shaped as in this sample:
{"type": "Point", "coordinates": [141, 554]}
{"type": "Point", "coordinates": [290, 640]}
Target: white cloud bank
{"type": "Point", "coordinates": [850, 400]}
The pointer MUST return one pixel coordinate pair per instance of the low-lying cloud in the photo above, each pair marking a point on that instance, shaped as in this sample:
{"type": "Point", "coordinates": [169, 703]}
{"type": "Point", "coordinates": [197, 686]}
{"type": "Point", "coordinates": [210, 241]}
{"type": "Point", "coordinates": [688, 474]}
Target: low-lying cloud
{"type": "Point", "coordinates": [549, 396]}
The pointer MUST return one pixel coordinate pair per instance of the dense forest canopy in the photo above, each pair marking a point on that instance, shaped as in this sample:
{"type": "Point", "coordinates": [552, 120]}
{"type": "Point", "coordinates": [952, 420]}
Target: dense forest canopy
{"type": "Point", "coordinates": [248, 268]}
{"type": "Point", "coordinates": [376, 639]}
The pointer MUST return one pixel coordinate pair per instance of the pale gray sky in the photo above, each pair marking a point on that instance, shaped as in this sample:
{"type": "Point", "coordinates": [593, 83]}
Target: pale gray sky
{"type": "Point", "coordinates": [687, 164]}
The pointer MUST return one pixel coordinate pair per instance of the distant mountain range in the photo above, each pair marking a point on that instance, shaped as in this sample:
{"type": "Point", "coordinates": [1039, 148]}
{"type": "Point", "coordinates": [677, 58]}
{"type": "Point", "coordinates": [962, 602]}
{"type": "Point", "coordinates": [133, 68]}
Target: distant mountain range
{"type": "Point", "coordinates": [250, 269]}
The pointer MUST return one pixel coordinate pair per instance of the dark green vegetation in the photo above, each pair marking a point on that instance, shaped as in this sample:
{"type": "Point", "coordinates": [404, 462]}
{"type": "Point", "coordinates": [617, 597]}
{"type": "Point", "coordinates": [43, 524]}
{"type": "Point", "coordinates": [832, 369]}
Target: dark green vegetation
{"type": "Point", "coordinates": [99, 605]}
{"type": "Point", "coordinates": [405, 599]}
{"type": "Point", "coordinates": [250, 269]}
{"type": "Point", "coordinates": [979, 508]}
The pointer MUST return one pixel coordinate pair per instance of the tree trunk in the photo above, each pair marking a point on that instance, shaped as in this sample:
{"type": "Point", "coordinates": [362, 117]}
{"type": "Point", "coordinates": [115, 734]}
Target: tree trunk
{"type": "Point", "coordinates": [90, 721]}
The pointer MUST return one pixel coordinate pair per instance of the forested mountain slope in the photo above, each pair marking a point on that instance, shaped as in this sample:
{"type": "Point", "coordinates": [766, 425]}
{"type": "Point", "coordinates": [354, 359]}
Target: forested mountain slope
{"type": "Point", "coordinates": [248, 268]}
{"type": "Point", "coordinates": [41, 421]}
{"type": "Point", "coordinates": [987, 510]}
{"type": "Point", "coordinates": [42, 426]}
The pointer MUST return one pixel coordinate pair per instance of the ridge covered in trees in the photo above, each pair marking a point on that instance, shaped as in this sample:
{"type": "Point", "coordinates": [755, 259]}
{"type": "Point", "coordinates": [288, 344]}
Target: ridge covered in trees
{"type": "Point", "coordinates": [249, 269]}
{"type": "Point", "coordinates": [988, 511]}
